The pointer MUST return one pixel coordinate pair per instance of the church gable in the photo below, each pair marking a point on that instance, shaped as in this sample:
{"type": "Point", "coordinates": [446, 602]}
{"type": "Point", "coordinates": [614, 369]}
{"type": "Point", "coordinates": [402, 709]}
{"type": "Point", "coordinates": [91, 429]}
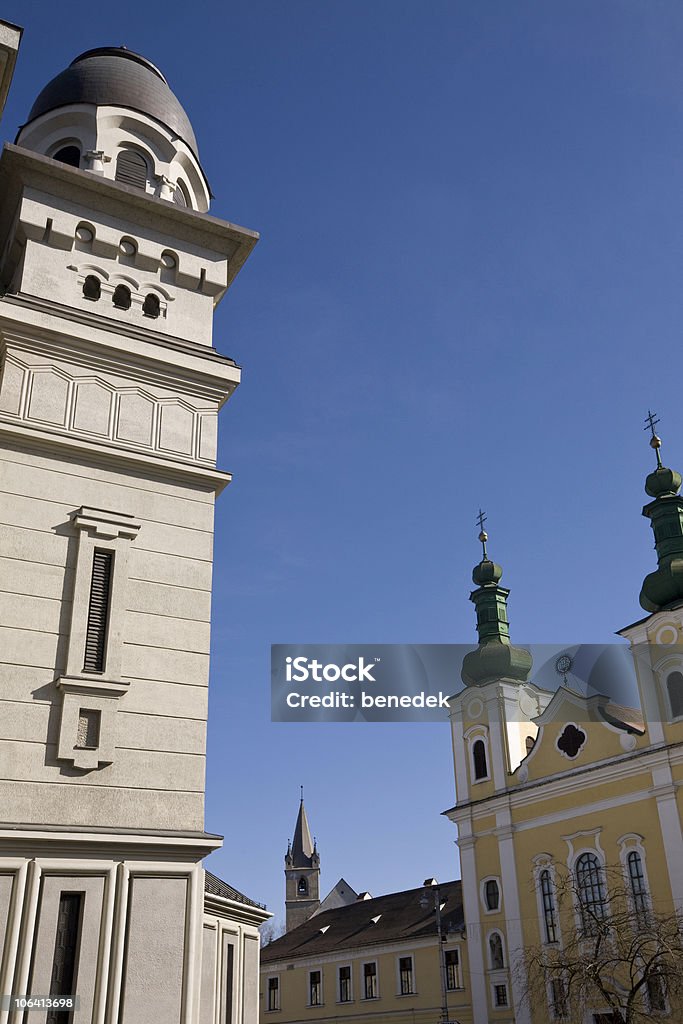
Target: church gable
{"type": "Point", "coordinates": [575, 731]}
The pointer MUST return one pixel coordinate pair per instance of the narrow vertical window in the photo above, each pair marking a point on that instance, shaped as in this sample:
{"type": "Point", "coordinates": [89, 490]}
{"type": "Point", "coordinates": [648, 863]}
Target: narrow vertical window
{"type": "Point", "coordinates": [314, 989]}
{"type": "Point", "coordinates": [345, 984]}
{"type": "Point", "coordinates": [549, 913]}
{"type": "Point", "coordinates": [228, 981]}
{"type": "Point", "coordinates": [302, 887]}
{"type": "Point", "coordinates": [66, 953]}
{"type": "Point", "coordinates": [131, 169]}
{"type": "Point", "coordinates": [636, 879]}
{"type": "Point", "coordinates": [370, 981]}
{"type": "Point", "coordinates": [496, 952]}
{"type": "Point", "coordinates": [674, 685]}
{"type": "Point", "coordinates": [591, 891]}
{"type": "Point", "coordinates": [273, 993]}
{"type": "Point", "coordinates": [656, 993]}
{"type": "Point", "coordinates": [98, 611]}
{"type": "Point", "coordinates": [405, 967]}
{"type": "Point", "coordinates": [452, 964]}
{"type": "Point", "coordinates": [88, 733]}
{"type": "Point", "coordinates": [558, 998]}
{"type": "Point", "coordinates": [479, 757]}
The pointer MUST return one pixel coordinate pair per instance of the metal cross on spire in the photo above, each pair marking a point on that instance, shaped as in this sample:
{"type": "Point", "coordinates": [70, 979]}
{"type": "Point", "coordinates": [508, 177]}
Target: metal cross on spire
{"type": "Point", "coordinates": [483, 535]}
{"type": "Point", "coordinates": [651, 422]}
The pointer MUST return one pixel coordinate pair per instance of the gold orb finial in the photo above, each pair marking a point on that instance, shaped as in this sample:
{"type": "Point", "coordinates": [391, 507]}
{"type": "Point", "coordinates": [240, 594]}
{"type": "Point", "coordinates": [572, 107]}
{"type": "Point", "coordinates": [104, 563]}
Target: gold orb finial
{"type": "Point", "coordinates": [655, 441]}
{"type": "Point", "coordinates": [483, 536]}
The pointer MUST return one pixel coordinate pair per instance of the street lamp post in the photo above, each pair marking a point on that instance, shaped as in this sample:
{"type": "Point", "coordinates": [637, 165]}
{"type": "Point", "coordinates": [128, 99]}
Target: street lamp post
{"type": "Point", "coordinates": [424, 903]}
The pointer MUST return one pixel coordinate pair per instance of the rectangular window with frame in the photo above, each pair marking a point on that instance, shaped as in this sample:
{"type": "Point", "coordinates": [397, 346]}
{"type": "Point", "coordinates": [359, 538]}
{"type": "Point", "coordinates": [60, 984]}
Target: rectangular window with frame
{"type": "Point", "coordinates": [273, 993]}
{"type": "Point", "coordinates": [405, 970]}
{"type": "Point", "coordinates": [452, 965]}
{"type": "Point", "coordinates": [98, 611]}
{"type": "Point", "coordinates": [370, 981]}
{"type": "Point", "coordinates": [345, 984]}
{"type": "Point", "coordinates": [66, 953]}
{"type": "Point", "coordinates": [315, 988]}
{"type": "Point", "coordinates": [500, 993]}
{"type": "Point", "coordinates": [558, 999]}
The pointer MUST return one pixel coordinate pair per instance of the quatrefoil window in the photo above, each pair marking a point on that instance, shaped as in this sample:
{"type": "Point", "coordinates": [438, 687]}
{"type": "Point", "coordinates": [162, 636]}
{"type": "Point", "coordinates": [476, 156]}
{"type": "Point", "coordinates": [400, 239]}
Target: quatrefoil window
{"type": "Point", "coordinates": [571, 741]}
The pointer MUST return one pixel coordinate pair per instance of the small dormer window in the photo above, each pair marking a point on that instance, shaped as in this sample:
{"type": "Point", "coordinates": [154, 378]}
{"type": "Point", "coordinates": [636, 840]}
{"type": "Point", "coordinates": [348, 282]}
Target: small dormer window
{"type": "Point", "coordinates": [131, 169]}
{"type": "Point", "coordinates": [92, 287]}
{"type": "Point", "coordinates": [68, 155]}
{"type": "Point", "coordinates": [151, 306]}
{"type": "Point", "coordinates": [121, 297]}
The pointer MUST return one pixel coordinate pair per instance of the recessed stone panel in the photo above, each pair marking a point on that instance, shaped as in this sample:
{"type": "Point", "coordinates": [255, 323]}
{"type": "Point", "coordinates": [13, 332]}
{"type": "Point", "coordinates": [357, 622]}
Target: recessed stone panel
{"type": "Point", "coordinates": [10, 394]}
{"type": "Point", "coordinates": [176, 429]}
{"type": "Point", "coordinates": [208, 428]}
{"type": "Point", "coordinates": [92, 409]}
{"type": "Point", "coordinates": [135, 419]}
{"type": "Point", "coordinates": [48, 398]}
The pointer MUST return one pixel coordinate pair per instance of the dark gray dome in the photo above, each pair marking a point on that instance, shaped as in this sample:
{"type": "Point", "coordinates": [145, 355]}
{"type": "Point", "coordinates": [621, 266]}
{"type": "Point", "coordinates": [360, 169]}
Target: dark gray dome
{"type": "Point", "coordinates": [115, 76]}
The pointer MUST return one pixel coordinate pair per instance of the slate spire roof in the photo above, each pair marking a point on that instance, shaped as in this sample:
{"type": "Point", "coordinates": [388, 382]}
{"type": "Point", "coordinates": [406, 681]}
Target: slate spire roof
{"type": "Point", "coordinates": [302, 848]}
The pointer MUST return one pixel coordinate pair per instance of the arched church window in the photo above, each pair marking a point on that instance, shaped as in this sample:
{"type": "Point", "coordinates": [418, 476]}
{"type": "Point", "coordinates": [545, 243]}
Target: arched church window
{"type": "Point", "coordinates": [302, 887]}
{"type": "Point", "coordinates": [674, 686]}
{"type": "Point", "coordinates": [68, 155]}
{"type": "Point", "coordinates": [131, 168]}
{"type": "Point", "coordinates": [590, 889]}
{"type": "Point", "coordinates": [479, 758]}
{"type": "Point", "coordinates": [121, 297]}
{"type": "Point", "coordinates": [92, 287]}
{"type": "Point", "coordinates": [549, 912]}
{"type": "Point", "coordinates": [151, 306]}
{"type": "Point", "coordinates": [636, 877]}
{"type": "Point", "coordinates": [496, 952]}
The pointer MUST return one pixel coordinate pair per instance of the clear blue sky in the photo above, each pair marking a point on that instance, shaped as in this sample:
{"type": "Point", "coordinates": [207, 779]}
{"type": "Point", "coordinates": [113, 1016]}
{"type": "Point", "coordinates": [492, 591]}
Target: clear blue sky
{"type": "Point", "coordinates": [467, 292]}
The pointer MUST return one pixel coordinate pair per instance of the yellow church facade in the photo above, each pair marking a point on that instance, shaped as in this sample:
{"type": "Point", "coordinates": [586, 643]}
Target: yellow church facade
{"type": "Point", "coordinates": [569, 812]}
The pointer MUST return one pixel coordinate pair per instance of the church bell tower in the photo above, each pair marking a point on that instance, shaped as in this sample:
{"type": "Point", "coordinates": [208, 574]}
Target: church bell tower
{"type": "Point", "coordinates": [110, 388]}
{"type": "Point", "coordinates": [302, 873]}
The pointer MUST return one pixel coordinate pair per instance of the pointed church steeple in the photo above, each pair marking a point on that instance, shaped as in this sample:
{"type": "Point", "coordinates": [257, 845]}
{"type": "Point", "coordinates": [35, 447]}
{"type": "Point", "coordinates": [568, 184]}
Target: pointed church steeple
{"type": "Point", "coordinates": [495, 658]}
{"type": "Point", "coordinates": [302, 872]}
{"type": "Point", "coordinates": [663, 588]}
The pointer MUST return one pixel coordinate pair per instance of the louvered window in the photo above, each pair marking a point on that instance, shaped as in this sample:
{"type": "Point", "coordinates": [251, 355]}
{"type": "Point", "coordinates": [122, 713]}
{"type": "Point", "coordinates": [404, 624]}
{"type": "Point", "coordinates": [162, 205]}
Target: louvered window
{"type": "Point", "coordinates": [98, 611]}
{"type": "Point", "coordinates": [131, 169]}
{"type": "Point", "coordinates": [179, 197]}
{"type": "Point", "coordinates": [65, 959]}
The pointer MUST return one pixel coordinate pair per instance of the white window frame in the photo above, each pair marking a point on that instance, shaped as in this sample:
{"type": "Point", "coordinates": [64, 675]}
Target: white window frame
{"type": "Point", "coordinates": [459, 971]}
{"type": "Point", "coordinates": [413, 988]}
{"type": "Point", "coordinates": [577, 854]}
{"type": "Point", "coordinates": [489, 936]}
{"type": "Point", "coordinates": [482, 894]}
{"type": "Point", "coordinates": [544, 862]}
{"type": "Point", "coordinates": [474, 733]}
{"type": "Point", "coordinates": [664, 670]}
{"type": "Point", "coordinates": [345, 1002]}
{"type": "Point", "coordinates": [321, 1001]}
{"type": "Point", "coordinates": [365, 997]}
{"type": "Point", "coordinates": [633, 843]}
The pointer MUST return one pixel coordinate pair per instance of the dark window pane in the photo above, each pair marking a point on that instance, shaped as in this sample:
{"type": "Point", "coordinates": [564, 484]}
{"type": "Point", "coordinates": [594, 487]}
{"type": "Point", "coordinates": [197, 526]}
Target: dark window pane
{"type": "Point", "coordinates": [98, 612]}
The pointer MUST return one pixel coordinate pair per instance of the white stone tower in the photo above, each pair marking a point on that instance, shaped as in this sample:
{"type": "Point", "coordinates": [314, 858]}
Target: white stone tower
{"type": "Point", "coordinates": [110, 389]}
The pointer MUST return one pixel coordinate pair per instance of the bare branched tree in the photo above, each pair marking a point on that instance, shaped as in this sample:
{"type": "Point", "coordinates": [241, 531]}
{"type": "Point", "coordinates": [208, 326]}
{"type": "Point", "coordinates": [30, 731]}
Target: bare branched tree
{"type": "Point", "coordinates": [607, 949]}
{"type": "Point", "coordinates": [271, 930]}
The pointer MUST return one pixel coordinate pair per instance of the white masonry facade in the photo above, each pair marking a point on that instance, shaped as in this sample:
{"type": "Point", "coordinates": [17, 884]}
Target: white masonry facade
{"type": "Point", "coordinates": [110, 388]}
